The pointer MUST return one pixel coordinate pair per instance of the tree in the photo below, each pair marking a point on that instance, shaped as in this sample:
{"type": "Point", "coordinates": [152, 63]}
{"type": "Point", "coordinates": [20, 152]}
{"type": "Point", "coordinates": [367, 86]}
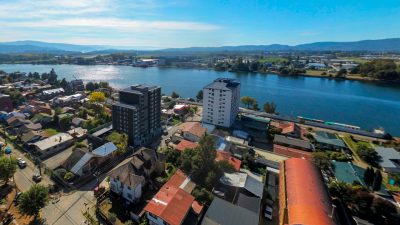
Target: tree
{"type": "Point", "coordinates": [8, 166]}
{"type": "Point", "coordinates": [369, 176]}
{"type": "Point", "coordinates": [90, 86]}
{"type": "Point", "coordinates": [270, 107]}
{"type": "Point", "coordinates": [97, 96]}
{"type": "Point", "coordinates": [63, 83]}
{"type": "Point", "coordinates": [377, 181]}
{"type": "Point", "coordinates": [120, 140]}
{"type": "Point", "coordinates": [255, 107]}
{"type": "Point", "coordinates": [64, 122]}
{"type": "Point", "coordinates": [33, 200]}
{"type": "Point", "coordinates": [321, 160]}
{"type": "Point", "coordinates": [199, 95]}
{"type": "Point", "coordinates": [174, 95]}
{"type": "Point", "coordinates": [367, 154]}
{"type": "Point", "coordinates": [341, 73]}
{"type": "Point", "coordinates": [248, 101]}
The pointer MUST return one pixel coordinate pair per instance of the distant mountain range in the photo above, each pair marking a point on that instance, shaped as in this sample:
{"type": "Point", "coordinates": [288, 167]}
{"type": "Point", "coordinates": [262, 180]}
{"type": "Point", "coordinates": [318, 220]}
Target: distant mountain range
{"type": "Point", "coordinates": [383, 45]}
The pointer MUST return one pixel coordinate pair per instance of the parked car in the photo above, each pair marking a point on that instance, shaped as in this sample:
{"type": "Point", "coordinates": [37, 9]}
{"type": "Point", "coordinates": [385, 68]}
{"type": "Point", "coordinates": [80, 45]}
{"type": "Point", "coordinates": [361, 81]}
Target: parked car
{"type": "Point", "coordinates": [17, 197]}
{"type": "Point", "coordinates": [37, 178]}
{"type": "Point", "coordinates": [21, 163]}
{"type": "Point", "coordinates": [268, 212]}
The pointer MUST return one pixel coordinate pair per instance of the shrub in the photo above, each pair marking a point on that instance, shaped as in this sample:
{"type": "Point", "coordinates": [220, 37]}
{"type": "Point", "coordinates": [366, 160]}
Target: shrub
{"type": "Point", "coordinates": [69, 176]}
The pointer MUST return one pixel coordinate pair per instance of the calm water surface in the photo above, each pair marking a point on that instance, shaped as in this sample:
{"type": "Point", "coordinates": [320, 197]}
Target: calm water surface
{"type": "Point", "coordinates": [369, 105]}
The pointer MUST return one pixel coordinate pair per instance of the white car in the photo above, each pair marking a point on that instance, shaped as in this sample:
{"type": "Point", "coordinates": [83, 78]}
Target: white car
{"type": "Point", "coordinates": [268, 212]}
{"type": "Point", "coordinates": [21, 163]}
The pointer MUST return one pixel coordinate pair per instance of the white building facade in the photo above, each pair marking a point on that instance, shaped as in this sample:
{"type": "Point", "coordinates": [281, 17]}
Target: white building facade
{"type": "Point", "coordinates": [221, 101]}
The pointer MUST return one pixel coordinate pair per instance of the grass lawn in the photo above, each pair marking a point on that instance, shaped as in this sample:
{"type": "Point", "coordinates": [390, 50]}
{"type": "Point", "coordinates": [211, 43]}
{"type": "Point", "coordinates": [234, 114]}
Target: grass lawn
{"type": "Point", "coordinates": [352, 144]}
{"type": "Point", "coordinates": [316, 72]}
{"type": "Point", "coordinates": [51, 131]}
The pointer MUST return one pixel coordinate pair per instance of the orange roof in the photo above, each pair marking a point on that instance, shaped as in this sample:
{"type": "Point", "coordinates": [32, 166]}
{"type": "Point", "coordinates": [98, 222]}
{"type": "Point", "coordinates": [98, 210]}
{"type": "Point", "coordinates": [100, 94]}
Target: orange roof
{"type": "Point", "coordinates": [197, 207]}
{"type": "Point", "coordinates": [286, 128]}
{"type": "Point", "coordinates": [184, 144]}
{"type": "Point", "coordinates": [292, 152]}
{"type": "Point", "coordinates": [227, 157]}
{"type": "Point", "coordinates": [194, 128]}
{"type": "Point", "coordinates": [307, 199]}
{"type": "Point", "coordinates": [171, 203]}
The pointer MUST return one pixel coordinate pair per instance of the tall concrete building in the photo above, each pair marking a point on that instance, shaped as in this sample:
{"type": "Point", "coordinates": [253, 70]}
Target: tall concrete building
{"type": "Point", "coordinates": [221, 101]}
{"type": "Point", "coordinates": [138, 113]}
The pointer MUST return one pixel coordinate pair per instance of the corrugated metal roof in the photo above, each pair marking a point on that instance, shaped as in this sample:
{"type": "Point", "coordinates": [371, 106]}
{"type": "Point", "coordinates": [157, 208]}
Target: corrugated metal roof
{"type": "Point", "coordinates": [85, 158]}
{"type": "Point", "coordinates": [105, 149]}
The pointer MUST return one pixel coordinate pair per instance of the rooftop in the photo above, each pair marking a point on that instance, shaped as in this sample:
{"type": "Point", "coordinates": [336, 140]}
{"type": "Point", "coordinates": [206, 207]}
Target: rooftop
{"type": "Point", "coordinates": [223, 84]}
{"type": "Point", "coordinates": [194, 128]}
{"type": "Point", "coordinates": [293, 142]}
{"type": "Point", "coordinates": [53, 141]}
{"type": "Point", "coordinates": [105, 149]}
{"type": "Point", "coordinates": [231, 160]}
{"type": "Point", "coordinates": [390, 157]}
{"type": "Point", "coordinates": [139, 88]}
{"type": "Point", "coordinates": [328, 138]}
{"type": "Point", "coordinates": [222, 212]}
{"type": "Point", "coordinates": [184, 144]}
{"type": "Point", "coordinates": [171, 203]}
{"type": "Point", "coordinates": [306, 197]}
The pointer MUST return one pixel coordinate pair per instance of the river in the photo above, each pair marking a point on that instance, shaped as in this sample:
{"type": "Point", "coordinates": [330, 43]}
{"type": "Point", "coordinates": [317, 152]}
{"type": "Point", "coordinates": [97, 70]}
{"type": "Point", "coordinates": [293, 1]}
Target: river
{"type": "Point", "coordinates": [365, 104]}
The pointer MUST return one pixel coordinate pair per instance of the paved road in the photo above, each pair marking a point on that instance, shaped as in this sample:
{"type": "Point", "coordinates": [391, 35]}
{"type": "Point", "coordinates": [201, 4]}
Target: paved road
{"type": "Point", "coordinates": [70, 207]}
{"type": "Point", "coordinates": [23, 177]}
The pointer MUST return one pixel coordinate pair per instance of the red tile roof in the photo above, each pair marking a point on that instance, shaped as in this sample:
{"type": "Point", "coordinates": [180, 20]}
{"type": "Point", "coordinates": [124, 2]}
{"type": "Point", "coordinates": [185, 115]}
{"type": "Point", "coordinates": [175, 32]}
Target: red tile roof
{"type": "Point", "coordinates": [307, 199]}
{"type": "Point", "coordinates": [171, 203]}
{"type": "Point", "coordinates": [194, 128]}
{"type": "Point", "coordinates": [292, 152]}
{"type": "Point", "coordinates": [184, 144]}
{"type": "Point", "coordinates": [231, 160]}
{"type": "Point", "coordinates": [197, 207]}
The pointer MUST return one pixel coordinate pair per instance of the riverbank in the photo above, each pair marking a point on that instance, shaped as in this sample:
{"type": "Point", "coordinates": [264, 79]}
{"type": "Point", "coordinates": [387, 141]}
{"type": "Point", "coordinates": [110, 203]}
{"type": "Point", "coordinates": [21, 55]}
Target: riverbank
{"type": "Point", "coordinates": [309, 73]}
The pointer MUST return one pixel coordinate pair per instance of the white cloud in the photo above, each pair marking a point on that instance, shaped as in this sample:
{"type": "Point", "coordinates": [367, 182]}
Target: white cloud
{"type": "Point", "coordinates": [115, 23]}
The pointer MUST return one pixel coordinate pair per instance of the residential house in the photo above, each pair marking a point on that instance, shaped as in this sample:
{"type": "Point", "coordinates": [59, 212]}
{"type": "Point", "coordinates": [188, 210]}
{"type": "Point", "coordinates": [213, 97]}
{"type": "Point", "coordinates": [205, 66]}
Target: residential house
{"type": "Point", "coordinates": [244, 181]}
{"type": "Point", "coordinates": [389, 159]}
{"type": "Point", "coordinates": [51, 93]}
{"type": "Point", "coordinates": [28, 127]}
{"type": "Point", "coordinates": [82, 163]}
{"type": "Point", "coordinates": [192, 131]}
{"type": "Point", "coordinates": [225, 156]}
{"type": "Point", "coordinates": [53, 144]}
{"type": "Point", "coordinates": [185, 144]}
{"type": "Point", "coordinates": [292, 152]}
{"type": "Point", "coordinates": [293, 143]}
{"type": "Point", "coordinates": [6, 103]}
{"type": "Point", "coordinates": [30, 137]}
{"type": "Point", "coordinates": [173, 202]}
{"type": "Point", "coordinates": [287, 128]}
{"type": "Point", "coordinates": [129, 179]}
{"type": "Point", "coordinates": [328, 141]}
{"type": "Point", "coordinates": [222, 212]}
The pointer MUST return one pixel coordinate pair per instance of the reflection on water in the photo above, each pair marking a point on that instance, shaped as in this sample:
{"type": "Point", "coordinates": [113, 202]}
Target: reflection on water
{"type": "Point", "coordinates": [366, 104]}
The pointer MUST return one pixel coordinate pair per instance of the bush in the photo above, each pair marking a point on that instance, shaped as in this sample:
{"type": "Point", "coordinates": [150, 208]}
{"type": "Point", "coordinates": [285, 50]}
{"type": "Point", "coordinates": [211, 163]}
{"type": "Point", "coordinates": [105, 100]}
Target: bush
{"type": "Point", "coordinates": [69, 176]}
{"type": "Point", "coordinates": [112, 217]}
{"type": "Point", "coordinates": [60, 172]}
{"type": "Point", "coordinates": [202, 195]}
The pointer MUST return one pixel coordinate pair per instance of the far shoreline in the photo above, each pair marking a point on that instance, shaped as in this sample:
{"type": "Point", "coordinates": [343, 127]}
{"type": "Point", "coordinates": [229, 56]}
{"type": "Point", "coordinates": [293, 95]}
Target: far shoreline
{"type": "Point", "coordinates": [350, 78]}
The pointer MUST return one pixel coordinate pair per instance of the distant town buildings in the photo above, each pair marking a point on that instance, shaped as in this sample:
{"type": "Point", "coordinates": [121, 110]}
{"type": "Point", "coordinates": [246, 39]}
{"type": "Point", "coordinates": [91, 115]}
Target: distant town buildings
{"type": "Point", "coordinates": [221, 102]}
{"type": "Point", "coordinates": [138, 113]}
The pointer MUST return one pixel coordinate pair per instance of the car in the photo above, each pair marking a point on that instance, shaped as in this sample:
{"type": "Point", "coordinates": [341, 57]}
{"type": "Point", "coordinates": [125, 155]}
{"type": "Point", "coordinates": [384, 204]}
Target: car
{"type": "Point", "coordinates": [17, 197]}
{"type": "Point", "coordinates": [21, 163]}
{"type": "Point", "coordinates": [37, 178]}
{"type": "Point", "coordinates": [268, 212]}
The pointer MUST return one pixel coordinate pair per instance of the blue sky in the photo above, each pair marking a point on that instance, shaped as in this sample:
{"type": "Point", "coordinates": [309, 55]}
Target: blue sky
{"type": "Point", "coordinates": [184, 23]}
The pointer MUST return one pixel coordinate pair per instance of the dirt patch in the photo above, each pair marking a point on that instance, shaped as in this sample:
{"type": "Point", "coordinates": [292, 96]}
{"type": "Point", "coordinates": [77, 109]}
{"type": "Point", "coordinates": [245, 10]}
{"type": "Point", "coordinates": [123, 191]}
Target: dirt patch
{"type": "Point", "coordinates": [9, 206]}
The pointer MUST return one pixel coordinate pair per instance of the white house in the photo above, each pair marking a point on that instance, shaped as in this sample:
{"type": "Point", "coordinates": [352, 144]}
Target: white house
{"type": "Point", "coordinates": [221, 101]}
{"type": "Point", "coordinates": [129, 179]}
